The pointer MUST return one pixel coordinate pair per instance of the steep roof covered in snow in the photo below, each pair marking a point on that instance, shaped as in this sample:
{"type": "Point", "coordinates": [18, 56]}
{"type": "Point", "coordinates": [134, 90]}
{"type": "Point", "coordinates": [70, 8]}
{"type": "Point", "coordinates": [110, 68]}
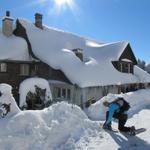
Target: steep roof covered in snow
{"type": "Point", "coordinates": [54, 47]}
{"type": "Point", "coordinates": [13, 48]}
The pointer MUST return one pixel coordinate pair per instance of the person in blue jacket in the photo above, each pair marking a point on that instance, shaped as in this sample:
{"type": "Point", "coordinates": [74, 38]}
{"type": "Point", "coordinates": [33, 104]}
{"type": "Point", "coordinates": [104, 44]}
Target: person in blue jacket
{"type": "Point", "coordinates": [118, 109]}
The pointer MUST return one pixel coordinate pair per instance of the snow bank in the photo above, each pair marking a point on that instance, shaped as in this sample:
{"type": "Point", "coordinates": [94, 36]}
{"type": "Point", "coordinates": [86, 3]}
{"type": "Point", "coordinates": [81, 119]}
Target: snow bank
{"type": "Point", "coordinates": [138, 100]}
{"type": "Point", "coordinates": [29, 85]}
{"type": "Point", "coordinates": [58, 127]}
{"type": "Point", "coordinates": [7, 98]}
{"type": "Point", "coordinates": [63, 126]}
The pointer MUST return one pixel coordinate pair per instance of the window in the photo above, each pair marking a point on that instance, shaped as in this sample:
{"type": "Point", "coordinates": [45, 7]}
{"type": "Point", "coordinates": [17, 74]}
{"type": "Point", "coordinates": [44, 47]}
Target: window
{"type": "Point", "coordinates": [63, 93]}
{"type": "Point", "coordinates": [3, 67]}
{"type": "Point", "coordinates": [68, 94]}
{"type": "Point", "coordinates": [57, 92]}
{"type": "Point", "coordinates": [126, 67]}
{"type": "Point", "coordinates": [24, 69]}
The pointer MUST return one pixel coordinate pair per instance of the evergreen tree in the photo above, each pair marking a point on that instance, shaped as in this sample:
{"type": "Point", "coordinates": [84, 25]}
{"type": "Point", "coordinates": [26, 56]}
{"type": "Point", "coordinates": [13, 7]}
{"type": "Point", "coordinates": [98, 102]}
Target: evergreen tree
{"type": "Point", "coordinates": [141, 64]}
{"type": "Point", "coordinates": [147, 68]}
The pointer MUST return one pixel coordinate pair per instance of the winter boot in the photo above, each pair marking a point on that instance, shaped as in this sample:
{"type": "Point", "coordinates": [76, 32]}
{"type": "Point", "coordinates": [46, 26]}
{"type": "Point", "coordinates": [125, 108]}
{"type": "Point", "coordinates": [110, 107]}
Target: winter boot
{"type": "Point", "coordinates": [132, 130]}
{"type": "Point", "coordinates": [107, 126]}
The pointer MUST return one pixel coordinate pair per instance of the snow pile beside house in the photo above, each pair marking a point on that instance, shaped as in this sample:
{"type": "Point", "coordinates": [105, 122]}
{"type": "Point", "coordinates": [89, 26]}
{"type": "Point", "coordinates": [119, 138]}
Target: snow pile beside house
{"type": "Point", "coordinates": [63, 126]}
{"type": "Point", "coordinates": [29, 85]}
{"type": "Point", "coordinates": [138, 100]}
{"type": "Point", "coordinates": [13, 48]}
{"type": "Point", "coordinates": [55, 47]}
{"type": "Point", "coordinates": [56, 127]}
{"type": "Point", "coordinates": [8, 104]}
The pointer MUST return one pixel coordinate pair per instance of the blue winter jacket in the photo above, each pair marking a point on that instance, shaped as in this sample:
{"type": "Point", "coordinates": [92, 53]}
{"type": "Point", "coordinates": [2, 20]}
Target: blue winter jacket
{"type": "Point", "coordinates": [113, 107]}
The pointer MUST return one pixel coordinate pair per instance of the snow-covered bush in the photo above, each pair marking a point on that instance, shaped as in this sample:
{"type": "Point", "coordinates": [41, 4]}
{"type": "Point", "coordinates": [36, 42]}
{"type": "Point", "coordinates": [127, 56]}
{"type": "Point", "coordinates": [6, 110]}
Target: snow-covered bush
{"type": "Point", "coordinates": [35, 93]}
{"type": "Point", "coordinates": [7, 102]}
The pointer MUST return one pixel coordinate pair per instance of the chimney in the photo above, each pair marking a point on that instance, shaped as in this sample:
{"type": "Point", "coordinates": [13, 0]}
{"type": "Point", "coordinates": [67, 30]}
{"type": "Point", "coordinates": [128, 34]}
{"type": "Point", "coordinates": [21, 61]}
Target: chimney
{"type": "Point", "coordinates": [7, 25]}
{"type": "Point", "coordinates": [79, 53]}
{"type": "Point", "coordinates": [38, 20]}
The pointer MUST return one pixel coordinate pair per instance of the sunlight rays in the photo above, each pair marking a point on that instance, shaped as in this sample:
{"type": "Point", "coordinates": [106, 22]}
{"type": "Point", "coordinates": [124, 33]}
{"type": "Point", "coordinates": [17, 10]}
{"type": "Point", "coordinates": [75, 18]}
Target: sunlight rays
{"type": "Point", "coordinates": [57, 6]}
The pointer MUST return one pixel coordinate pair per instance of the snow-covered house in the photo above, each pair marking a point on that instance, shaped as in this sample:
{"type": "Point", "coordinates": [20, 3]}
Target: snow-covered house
{"type": "Point", "coordinates": [17, 62]}
{"type": "Point", "coordinates": [78, 69]}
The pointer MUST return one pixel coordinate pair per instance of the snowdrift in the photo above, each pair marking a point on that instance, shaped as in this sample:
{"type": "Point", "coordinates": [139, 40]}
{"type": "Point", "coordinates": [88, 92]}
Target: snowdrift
{"type": "Point", "coordinates": [56, 127]}
{"type": "Point", "coordinates": [63, 126]}
{"type": "Point", "coordinates": [138, 100]}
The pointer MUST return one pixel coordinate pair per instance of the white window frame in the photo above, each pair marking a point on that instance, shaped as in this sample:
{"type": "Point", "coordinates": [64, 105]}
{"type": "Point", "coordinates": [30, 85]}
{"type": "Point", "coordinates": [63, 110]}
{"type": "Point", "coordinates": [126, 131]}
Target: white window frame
{"type": "Point", "coordinates": [128, 68]}
{"type": "Point", "coordinates": [3, 67]}
{"type": "Point", "coordinates": [24, 69]}
{"type": "Point", "coordinates": [67, 92]}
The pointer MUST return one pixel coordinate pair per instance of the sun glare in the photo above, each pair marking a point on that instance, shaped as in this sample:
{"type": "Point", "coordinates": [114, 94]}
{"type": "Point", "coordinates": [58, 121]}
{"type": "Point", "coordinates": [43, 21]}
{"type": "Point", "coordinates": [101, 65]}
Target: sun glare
{"type": "Point", "coordinates": [63, 2]}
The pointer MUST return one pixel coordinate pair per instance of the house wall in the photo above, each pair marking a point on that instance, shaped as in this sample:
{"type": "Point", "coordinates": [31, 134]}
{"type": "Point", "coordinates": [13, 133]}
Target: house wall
{"type": "Point", "coordinates": [83, 95]}
{"type": "Point", "coordinates": [57, 89]}
{"type": "Point", "coordinates": [80, 96]}
{"type": "Point", "coordinates": [13, 77]}
{"type": "Point", "coordinates": [96, 93]}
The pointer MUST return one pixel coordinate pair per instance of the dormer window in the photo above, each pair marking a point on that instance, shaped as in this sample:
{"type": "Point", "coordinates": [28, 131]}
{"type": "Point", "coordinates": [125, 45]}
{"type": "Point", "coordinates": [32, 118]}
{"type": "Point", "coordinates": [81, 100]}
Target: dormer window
{"type": "Point", "coordinates": [124, 66]}
{"type": "Point", "coordinates": [3, 67]}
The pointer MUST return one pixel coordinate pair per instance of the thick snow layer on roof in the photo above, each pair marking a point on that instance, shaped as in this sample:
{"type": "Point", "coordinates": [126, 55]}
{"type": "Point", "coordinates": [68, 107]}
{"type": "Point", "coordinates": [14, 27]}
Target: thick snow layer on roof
{"type": "Point", "coordinates": [13, 48]}
{"type": "Point", "coordinates": [54, 47]}
{"type": "Point", "coordinates": [29, 85]}
{"type": "Point", "coordinates": [142, 75]}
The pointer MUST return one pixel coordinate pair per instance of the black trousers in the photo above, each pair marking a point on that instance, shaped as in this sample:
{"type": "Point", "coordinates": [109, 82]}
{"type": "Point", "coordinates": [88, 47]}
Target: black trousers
{"type": "Point", "coordinates": [122, 119]}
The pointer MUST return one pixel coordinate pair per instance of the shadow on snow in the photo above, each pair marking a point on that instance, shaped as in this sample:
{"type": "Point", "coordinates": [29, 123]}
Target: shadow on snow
{"type": "Point", "coordinates": [129, 142]}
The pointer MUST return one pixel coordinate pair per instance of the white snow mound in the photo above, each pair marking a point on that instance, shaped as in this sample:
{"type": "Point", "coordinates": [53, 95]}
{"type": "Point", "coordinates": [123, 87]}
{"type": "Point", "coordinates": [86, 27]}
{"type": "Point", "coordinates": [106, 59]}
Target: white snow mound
{"type": "Point", "coordinates": [138, 100]}
{"type": "Point", "coordinates": [56, 127]}
{"type": "Point", "coordinates": [29, 85]}
{"type": "Point", "coordinates": [7, 98]}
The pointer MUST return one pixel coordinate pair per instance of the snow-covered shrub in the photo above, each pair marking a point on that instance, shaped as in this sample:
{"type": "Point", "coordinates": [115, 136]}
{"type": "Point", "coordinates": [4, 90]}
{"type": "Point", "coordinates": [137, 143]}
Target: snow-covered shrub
{"type": "Point", "coordinates": [35, 93]}
{"type": "Point", "coordinates": [8, 104]}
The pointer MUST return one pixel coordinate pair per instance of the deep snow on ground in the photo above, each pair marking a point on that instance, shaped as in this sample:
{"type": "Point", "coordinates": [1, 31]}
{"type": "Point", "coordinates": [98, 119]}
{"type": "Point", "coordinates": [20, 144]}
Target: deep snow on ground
{"type": "Point", "coordinates": [63, 126]}
{"type": "Point", "coordinates": [138, 101]}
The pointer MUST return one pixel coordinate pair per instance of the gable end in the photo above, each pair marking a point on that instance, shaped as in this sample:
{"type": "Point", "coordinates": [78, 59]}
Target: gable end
{"type": "Point", "coordinates": [128, 54]}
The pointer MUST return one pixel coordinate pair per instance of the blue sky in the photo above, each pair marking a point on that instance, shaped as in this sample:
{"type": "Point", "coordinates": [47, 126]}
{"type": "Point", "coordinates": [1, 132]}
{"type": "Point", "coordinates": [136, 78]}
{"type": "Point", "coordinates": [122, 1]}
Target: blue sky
{"type": "Point", "coordinates": [102, 20]}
